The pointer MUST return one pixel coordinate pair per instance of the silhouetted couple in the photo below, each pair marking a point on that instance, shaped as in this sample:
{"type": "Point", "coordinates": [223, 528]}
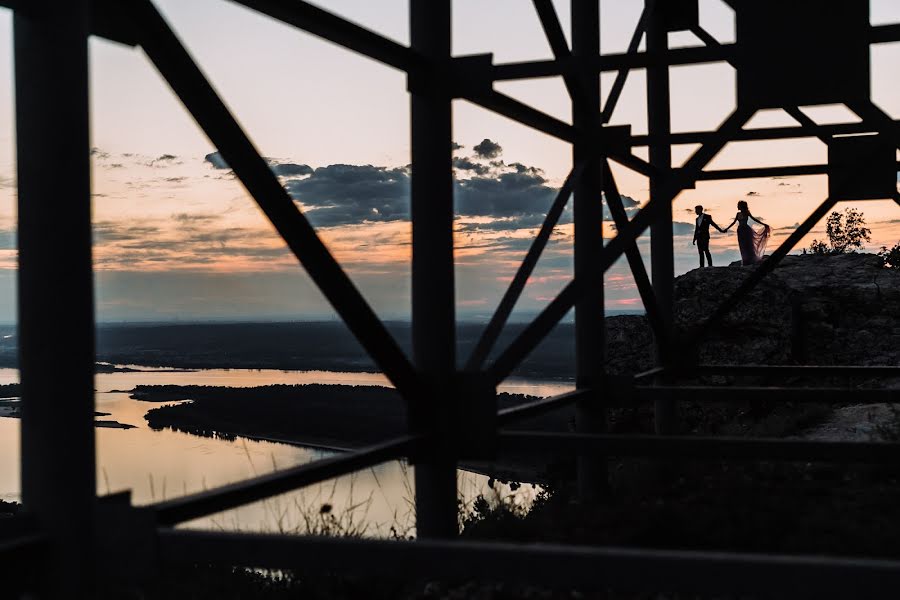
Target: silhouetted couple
{"type": "Point", "coordinates": [751, 242]}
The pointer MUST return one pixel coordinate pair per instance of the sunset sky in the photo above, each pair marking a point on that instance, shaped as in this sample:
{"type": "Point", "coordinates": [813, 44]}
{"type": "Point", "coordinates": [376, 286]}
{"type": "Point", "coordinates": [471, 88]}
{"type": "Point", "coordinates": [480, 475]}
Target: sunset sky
{"type": "Point", "coordinates": [177, 237]}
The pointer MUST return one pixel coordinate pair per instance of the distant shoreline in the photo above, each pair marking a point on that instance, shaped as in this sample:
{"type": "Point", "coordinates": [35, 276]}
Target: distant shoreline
{"type": "Point", "coordinates": [299, 346]}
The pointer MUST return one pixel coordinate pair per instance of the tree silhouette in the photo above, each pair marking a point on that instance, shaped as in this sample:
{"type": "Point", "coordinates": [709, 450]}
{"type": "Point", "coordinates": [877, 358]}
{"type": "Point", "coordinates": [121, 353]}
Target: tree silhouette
{"type": "Point", "coordinates": [846, 232]}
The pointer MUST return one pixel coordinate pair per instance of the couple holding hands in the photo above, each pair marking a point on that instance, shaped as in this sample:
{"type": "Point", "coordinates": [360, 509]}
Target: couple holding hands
{"type": "Point", "coordinates": [751, 242]}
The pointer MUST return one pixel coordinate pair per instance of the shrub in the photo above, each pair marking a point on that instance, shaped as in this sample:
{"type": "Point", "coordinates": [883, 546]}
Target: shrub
{"type": "Point", "coordinates": [890, 257]}
{"type": "Point", "coordinates": [846, 232]}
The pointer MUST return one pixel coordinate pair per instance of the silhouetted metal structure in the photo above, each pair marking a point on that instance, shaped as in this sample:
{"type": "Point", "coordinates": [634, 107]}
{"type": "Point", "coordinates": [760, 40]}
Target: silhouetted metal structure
{"type": "Point", "coordinates": [779, 64]}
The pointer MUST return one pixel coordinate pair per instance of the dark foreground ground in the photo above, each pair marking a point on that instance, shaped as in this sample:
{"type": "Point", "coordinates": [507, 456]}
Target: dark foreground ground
{"type": "Point", "coordinates": [817, 310]}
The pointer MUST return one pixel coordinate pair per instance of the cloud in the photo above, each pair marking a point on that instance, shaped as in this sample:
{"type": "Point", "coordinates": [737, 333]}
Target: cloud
{"type": "Point", "coordinates": [752, 193]}
{"type": "Point", "coordinates": [504, 197]}
{"type": "Point", "coordinates": [679, 228]}
{"type": "Point", "coordinates": [8, 239]}
{"type": "Point", "coordinates": [281, 169]}
{"type": "Point", "coordinates": [531, 221]}
{"type": "Point", "coordinates": [164, 160]}
{"type": "Point", "coordinates": [788, 227]}
{"type": "Point", "coordinates": [511, 194]}
{"type": "Point", "coordinates": [350, 194]}
{"type": "Point", "coordinates": [110, 231]}
{"type": "Point", "coordinates": [194, 219]}
{"type": "Point", "coordinates": [291, 169]}
{"type": "Point", "coordinates": [488, 149]}
{"type": "Point", "coordinates": [467, 164]}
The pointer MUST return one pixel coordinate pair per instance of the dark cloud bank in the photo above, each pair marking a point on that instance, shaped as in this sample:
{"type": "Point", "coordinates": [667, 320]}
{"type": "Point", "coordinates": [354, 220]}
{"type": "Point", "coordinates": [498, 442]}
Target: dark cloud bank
{"type": "Point", "coordinates": [512, 195]}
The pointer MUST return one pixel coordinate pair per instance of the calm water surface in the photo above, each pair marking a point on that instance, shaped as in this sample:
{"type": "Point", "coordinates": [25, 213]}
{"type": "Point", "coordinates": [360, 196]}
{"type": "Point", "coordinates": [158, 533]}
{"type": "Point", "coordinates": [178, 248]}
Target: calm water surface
{"type": "Point", "coordinates": [164, 464]}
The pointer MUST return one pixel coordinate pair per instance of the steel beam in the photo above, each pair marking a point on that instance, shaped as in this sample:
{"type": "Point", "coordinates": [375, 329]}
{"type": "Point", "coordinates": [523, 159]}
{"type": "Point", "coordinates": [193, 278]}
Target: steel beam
{"type": "Point", "coordinates": [226, 497]}
{"type": "Point", "coordinates": [612, 62]}
{"type": "Point", "coordinates": [791, 370]}
{"type": "Point", "coordinates": [105, 18]}
{"type": "Point", "coordinates": [590, 317]}
{"type": "Point", "coordinates": [537, 408]}
{"type": "Point", "coordinates": [641, 60]}
{"type": "Point", "coordinates": [885, 33]}
{"type": "Point", "coordinates": [189, 84]}
{"type": "Point", "coordinates": [870, 112]}
{"type": "Point", "coordinates": [760, 133]}
{"type": "Point", "coordinates": [433, 293]}
{"type": "Point", "coordinates": [729, 394]}
{"type": "Point", "coordinates": [701, 448]}
{"type": "Point", "coordinates": [662, 250]}
{"type": "Point", "coordinates": [756, 172]}
{"type": "Point", "coordinates": [55, 288]}
{"type": "Point", "coordinates": [591, 568]}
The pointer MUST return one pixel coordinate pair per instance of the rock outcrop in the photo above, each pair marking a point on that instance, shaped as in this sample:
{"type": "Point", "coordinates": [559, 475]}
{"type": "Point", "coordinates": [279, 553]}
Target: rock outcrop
{"type": "Point", "coordinates": [842, 309]}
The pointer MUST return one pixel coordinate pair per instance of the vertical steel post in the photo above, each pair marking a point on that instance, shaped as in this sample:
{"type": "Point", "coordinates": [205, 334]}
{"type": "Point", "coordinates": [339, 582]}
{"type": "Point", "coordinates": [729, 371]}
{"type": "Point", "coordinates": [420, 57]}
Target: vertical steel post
{"type": "Point", "coordinates": [433, 297]}
{"type": "Point", "coordinates": [662, 260]}
{"type": "Point", "coordinates": [590, 325]}
{"type": "Point", "coordinates": [55, 286]}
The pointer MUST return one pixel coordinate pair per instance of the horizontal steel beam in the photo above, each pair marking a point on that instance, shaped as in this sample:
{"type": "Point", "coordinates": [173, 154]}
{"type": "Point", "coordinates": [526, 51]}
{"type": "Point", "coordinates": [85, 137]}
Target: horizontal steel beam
{"type": "Point", "coordinates": [21, 549]}
{"type": "Point", "coordinates": [705, 394]}
{"type": "Point", "coordinates": [791, 370]}
{"type": "Point", "coordinates": [569, 567]}
{"type": "Point", "coordinates": [758, 134]}
{"type": "Point", "coordinates": [650, 373]}
{"type": "Point", "coordinates": [696, 447]}
{"type": "Point", "coordinates": [755, 172]}
{"type": "Point", "coordinates": [107, 19]}
{"type": "Point", "coordinates": [612, 62]}
{"type": "Point", "coordinates": [790, 171]}
{"type": "Point", "coordinates": [885, 33]}
{"type": "Point", "coordinates": [767, 394]}
{"type": "Point", "coordinates": [540, 407]}
{"type": "Point", "coordinates": [641, 60]}
{"type": "Point", "coordinates": [192, 506]}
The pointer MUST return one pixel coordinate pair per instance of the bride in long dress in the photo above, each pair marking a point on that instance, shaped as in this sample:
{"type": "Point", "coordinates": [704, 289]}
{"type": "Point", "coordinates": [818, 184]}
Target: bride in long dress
{"type": "Point", "coordinates": [752, 242]}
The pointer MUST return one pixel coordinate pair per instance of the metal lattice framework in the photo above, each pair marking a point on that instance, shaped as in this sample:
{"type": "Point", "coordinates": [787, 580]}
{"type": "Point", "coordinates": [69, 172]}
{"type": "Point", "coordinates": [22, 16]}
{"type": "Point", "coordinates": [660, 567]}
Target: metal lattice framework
{"type": "Point", "coordinates": [778, 64]}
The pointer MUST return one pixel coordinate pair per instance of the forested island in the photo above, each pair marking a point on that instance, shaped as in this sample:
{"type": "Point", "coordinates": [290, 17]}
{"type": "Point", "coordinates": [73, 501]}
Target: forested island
{"type": "Point", "coordinates": [342, 416]}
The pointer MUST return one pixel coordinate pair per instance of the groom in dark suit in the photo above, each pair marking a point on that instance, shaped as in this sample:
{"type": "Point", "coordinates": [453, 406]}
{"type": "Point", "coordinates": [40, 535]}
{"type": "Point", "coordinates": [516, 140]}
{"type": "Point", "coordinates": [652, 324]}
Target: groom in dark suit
{"type": "Point", "coordinates": [701, 234]}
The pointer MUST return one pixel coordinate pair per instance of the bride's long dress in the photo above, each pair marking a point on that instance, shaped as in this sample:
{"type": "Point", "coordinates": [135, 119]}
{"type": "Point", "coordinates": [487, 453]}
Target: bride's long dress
{"type": "Point", "coordinates": [751, 242]}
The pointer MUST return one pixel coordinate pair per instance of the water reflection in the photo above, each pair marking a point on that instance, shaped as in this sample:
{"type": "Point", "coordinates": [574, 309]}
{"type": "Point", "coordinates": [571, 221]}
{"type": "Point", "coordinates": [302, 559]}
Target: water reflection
{"type": "Point", "coordinates": [156, 465]}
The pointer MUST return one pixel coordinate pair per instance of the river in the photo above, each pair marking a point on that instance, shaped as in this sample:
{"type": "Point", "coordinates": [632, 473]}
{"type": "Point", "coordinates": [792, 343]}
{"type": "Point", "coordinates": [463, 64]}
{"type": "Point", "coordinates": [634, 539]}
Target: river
{"type": "Point", "coordinates": [158, 465]}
